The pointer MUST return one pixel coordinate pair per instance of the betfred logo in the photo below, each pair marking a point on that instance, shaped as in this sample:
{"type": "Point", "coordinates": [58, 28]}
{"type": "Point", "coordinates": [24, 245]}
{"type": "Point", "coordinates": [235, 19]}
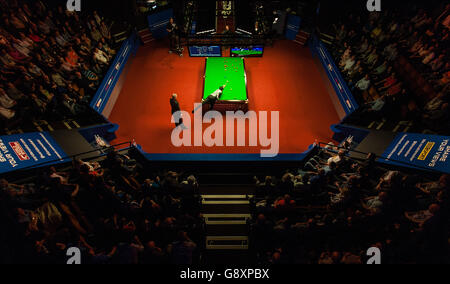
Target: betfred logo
{"type": "Point", "coordinates": [21, 154]}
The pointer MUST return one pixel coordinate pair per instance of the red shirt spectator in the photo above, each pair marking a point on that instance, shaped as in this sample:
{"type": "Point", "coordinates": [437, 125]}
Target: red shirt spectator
{"type": "Point", "coordinates": [390, 81]}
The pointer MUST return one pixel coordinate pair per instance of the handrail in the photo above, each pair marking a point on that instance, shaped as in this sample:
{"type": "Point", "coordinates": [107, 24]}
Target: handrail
{"type": "Point", "coordinates": [340, 147]}
{"type": "Point", "coordinates": [70, 157]}
{"type": "Point", "coordinates": [381, 157]}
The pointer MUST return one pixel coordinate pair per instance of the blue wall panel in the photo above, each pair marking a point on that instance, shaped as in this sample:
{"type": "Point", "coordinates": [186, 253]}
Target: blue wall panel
{"type": "Point", "coordinates": [344, 94]}
{"type": "Point", "coordinates": [103, 94]}
{"type": "Point", "coordinates": [293, 27]}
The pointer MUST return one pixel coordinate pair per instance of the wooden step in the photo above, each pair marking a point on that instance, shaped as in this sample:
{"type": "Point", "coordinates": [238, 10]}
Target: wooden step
{"type": "Point", "coordinates": [226, 209]}
{"type": "Point", "coordinates": [226, 219]}
{"type": "Point", "coordinates": [146, 36]}
{"type": "Point", "coordinates": [227, 242]}
{"type": "Point", "coordinates": [302, 38]}
{"type": "Point", "coordinates": [227, 230]}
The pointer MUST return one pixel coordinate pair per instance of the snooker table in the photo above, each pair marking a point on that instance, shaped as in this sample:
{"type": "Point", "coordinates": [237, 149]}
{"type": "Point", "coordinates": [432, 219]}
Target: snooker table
{"type": "Point", "coordinates": [217, 72]}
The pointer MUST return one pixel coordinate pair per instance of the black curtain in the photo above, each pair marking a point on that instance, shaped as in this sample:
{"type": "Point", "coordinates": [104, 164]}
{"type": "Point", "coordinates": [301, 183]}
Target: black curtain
{"type": "Point", "coordinates": [245, 18]}
{"type": "Point", "coordinates": [206, 16]}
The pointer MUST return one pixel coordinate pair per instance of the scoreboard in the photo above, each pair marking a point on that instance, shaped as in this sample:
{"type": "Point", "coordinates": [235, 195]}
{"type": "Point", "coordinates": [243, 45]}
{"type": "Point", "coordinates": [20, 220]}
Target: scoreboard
{"type": "Point", "coordinates": [247, 51]}
{"type": "Point", "coordinates": [205, 51]}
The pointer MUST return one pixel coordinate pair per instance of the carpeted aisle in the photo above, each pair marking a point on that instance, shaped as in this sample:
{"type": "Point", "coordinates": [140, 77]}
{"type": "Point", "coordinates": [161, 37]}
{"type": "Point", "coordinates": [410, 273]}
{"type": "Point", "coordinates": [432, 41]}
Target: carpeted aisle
{"type": "Point", "coordinates": [286, 79]}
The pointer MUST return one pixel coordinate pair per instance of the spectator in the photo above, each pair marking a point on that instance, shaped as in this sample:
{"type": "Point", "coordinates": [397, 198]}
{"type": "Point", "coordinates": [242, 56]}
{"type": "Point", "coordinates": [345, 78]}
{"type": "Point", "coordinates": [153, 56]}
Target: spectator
{"type": "Point", "coordinates": [183, 250]}
{"type": "Point", "coordinates": [41, 48]}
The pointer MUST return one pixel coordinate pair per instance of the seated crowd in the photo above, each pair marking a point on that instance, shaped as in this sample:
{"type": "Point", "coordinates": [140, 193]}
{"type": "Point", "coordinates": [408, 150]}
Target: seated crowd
{"type": "Point", "coordinates": [367, 51]}
{"type": "Point", "coordinates": [111, 209]}
{"type": "Point", "coordinates": [336, 208]}
{"type": "Point", "coordinates": [52, 61]}
{"type": "Point", "coordinates": [330, 211]}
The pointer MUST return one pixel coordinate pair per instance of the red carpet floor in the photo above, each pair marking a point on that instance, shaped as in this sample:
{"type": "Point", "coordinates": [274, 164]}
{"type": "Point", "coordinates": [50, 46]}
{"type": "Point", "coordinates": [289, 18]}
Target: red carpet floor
{"type": "Point", "coordinates": [286, 79]}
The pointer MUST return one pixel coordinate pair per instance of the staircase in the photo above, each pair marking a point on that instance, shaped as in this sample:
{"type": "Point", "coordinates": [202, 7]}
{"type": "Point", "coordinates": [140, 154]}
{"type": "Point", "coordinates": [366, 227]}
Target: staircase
{"type": "Point", "coordinates": [146, 36]}
{"type": "Point", "coordinates": [226, 210]}
{"type": "Point", "coordinates": [227, 190]}
{"type": "Point", "coordinates": [302, 38]}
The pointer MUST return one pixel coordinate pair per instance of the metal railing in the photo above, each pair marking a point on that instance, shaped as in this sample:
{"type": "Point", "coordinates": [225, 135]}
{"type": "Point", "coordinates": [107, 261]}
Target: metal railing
{"type": "Point", "coordinates": [70, 158]}
{"type": "Point", "coordinates": [407, 165]}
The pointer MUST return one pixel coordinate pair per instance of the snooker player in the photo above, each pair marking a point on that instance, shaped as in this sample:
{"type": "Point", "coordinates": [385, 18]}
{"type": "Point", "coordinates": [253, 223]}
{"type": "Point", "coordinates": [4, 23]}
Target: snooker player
{"type": "Point", "coordinates": [213, 98]}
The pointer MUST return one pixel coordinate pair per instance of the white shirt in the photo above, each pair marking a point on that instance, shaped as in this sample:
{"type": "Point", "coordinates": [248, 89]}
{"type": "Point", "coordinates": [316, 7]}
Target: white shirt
{"type": "Point", "coordinates": [6, 113]}
{"type": "Point", "coordinates": [6, 101]}
{"type": "Point", "coordinates": [101, 57]}
{"type": "Point", "coordinates": [349, 64]}
{"type": "Point", "coordinates": [363, 84]}
{"type": "Point", "coordinates": [217, 93]}
{"type": "Point", "coordinates": [335, 159]}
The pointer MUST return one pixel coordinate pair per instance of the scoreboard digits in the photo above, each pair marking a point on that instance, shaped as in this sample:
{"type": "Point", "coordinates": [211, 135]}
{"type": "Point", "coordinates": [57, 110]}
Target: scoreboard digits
{"type": "Point", "coordinates": [205, 51]}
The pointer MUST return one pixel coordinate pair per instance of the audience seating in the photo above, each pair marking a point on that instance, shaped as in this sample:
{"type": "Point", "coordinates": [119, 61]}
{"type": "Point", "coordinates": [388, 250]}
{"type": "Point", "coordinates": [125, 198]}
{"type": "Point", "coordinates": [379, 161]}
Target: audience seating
{"type": "Point", "coordinates": [421, 69]}
{"type": "Point", "coordinates": [63, 56]}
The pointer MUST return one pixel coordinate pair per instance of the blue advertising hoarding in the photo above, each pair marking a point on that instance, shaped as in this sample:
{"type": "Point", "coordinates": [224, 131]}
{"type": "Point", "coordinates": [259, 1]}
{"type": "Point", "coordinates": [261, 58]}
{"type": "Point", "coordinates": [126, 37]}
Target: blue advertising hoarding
{"type": "Point", "coordinates": [108, 84]}
{"type": "Point", "coordinates": [28, 150]}
{"type": "Point", "coordinates": [429, 152]}
{"type": "Point", "coordinates": [340, 87]}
